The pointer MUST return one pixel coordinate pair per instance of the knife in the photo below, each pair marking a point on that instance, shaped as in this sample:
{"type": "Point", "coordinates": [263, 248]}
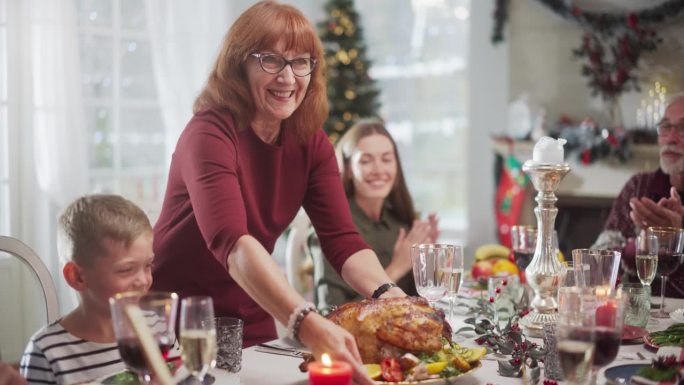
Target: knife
{"type": "Point", "coordinates": [280, 351]}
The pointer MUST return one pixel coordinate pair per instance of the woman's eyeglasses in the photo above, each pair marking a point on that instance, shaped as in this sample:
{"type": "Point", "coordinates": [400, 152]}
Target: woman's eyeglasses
{"type": "Point", "coordinates": [665, 128]}
{"type": "Point", "coordinates": [272, 63]}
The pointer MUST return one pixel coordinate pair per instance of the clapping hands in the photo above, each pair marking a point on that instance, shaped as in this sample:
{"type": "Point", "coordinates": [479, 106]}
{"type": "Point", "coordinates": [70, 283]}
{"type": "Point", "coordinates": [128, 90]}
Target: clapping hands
{"type": "Point", "coordinates": [666, 212]}
{"type": "Point", "coordinates": [422, 231]}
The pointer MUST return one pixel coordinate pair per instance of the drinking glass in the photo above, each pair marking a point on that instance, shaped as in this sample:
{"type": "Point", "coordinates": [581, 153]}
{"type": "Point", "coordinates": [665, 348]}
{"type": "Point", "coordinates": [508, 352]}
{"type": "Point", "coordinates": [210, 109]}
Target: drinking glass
{"type": "Point", "coordinates": [574, 275]}
{"type": "Point", "coordinates": [602, 266]}
{"type": "Point", "coordinates": [646, 258]}
{"type": "Point", "coordinates": [455, 274]}
{"type": "Point", "coordinates": [431, 262]}
{"type": "Point", "coordinates": [198, 335]}
{"type": "Point", "coordinates": [159, 309]}
{"type": "Point", "coordinates": [575, 339]}
{"type": "Point", "coordinates": [524, 241]}
{"type": "Point", "coordinates": [670, 244]}
{"type": "Point", "coordinates": [608, 313]}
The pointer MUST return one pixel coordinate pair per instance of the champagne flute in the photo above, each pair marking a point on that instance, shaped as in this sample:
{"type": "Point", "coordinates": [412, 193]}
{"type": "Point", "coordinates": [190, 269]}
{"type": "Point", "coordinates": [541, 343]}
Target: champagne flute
{"type": "Point", "coordinates": [455, 273]}
{"type": "Point", "coordinates": [159, 309]}
{"type": "Point", "coordinates": [430, 263]}
{"type": "Point", "coordinates": [670, 245]}
{"type": "Point", "coordinates": [646, 258]}
{"type": "Point", "coordinates": [198, 335]}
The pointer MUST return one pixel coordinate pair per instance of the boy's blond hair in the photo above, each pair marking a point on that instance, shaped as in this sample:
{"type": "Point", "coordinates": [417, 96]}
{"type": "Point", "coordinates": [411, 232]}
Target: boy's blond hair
{"type": "Point", "coordinates": [90, 222]}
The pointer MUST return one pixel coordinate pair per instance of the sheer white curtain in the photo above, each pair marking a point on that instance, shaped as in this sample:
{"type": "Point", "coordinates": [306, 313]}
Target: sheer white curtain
{"type": "Point", "coordinates": [50, 126]}
{"type": "Point", "coordinates": [184, 38]}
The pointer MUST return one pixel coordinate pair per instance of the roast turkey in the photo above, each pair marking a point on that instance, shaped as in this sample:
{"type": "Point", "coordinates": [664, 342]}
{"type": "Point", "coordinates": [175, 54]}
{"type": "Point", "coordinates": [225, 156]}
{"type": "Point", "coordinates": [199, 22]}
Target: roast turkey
{"type": "Point", "coordinates": [393, 326]}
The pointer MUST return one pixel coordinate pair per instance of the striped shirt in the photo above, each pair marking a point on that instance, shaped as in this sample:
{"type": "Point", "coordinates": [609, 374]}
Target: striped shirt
{"type": "Point", "coordinates": [55, 356]}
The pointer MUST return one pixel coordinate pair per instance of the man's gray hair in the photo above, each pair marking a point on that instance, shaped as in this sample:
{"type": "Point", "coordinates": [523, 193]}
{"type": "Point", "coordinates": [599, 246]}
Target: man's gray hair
{"type": "Point", "coordinates": [679, 96]}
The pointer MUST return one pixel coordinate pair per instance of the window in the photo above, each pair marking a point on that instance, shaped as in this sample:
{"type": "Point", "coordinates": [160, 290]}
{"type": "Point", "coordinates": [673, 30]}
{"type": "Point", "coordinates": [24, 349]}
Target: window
{"type": "Point", "coordinates": [424, 97]}
{"type": "Point", "coordinates": [126, 140]}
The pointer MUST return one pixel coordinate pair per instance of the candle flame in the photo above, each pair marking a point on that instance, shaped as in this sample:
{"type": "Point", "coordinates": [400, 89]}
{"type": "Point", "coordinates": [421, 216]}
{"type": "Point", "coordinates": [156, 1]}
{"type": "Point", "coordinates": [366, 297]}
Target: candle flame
{"type": "Point", "coordinates": [325, 358]}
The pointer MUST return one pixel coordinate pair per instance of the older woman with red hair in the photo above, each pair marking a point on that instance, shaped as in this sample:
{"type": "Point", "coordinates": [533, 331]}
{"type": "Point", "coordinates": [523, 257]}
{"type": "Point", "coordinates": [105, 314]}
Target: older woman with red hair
{"type": "Point", "coordinates": [251, 155]}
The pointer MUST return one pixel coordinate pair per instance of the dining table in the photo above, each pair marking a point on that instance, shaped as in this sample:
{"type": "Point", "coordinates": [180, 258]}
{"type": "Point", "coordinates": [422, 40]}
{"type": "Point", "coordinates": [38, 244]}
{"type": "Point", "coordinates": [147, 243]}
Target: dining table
{"type": "Point", "coordinates": [260, 368]}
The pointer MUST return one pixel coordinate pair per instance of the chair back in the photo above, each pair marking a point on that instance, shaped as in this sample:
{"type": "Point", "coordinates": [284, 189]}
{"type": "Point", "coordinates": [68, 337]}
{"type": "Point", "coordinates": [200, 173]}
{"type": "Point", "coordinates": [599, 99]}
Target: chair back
{"type": "Point", "coordinates": [297, 251]}
{"type": "Point", "coordinates": [20, 250]}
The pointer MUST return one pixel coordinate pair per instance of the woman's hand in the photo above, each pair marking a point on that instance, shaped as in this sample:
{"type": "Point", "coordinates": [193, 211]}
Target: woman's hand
{"type": "Point", "coordinates": [401, 256]}
{"type": "Point", "coordinates": [433, 220]}
{"type": "Point", "coordinates": [323, 336]}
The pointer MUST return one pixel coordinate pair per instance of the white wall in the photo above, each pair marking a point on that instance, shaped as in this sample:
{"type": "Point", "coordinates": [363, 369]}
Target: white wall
{"type": "Point", "coordinates": [541, 63]}
{"type": "Point", "coordinates": [489, 84]}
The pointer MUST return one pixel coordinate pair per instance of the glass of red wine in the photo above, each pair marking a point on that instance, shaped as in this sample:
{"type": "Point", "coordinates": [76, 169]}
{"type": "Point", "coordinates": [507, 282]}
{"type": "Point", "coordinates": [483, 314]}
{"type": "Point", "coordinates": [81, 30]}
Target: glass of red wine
{"type": "Point", "coordinates": [670, 247]}
{"type": "Point", "coordinates": [608, 312]}
{"type": "Point", "coordinates": [523, 241]}
{"type": "Point", "coordinates": [159, 309]}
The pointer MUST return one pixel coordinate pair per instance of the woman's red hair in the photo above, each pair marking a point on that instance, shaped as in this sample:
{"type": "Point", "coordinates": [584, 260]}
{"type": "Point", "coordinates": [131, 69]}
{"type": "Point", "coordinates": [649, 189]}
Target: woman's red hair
{"type": "Point", "coordinates": [260, 28]}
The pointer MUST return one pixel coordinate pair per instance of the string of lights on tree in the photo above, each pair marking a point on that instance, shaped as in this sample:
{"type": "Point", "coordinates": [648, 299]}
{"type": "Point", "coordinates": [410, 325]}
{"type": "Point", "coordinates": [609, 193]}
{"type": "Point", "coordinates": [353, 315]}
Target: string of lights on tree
{"type": "Point", "coordinates": [352, 94]}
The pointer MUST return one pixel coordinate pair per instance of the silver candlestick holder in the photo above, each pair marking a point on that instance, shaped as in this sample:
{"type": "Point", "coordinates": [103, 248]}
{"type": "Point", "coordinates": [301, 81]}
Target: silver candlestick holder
{"type": "Point", "coordinates": [545, 270]}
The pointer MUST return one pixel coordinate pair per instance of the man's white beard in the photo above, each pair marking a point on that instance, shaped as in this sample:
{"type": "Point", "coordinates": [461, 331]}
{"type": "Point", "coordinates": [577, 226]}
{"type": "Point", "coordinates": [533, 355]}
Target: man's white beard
{"type": "Point", "coordinates": [672, 168]}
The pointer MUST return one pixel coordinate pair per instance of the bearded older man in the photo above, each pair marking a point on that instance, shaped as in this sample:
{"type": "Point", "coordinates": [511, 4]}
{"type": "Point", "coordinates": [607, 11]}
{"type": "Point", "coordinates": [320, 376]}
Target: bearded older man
{"type": "Point", "coordinates": [652, 199]}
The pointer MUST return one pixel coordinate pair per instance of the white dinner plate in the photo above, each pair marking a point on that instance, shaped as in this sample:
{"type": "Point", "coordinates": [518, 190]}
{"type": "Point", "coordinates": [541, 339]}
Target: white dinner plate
{"type": "Point", "coordinates": [677, 315]}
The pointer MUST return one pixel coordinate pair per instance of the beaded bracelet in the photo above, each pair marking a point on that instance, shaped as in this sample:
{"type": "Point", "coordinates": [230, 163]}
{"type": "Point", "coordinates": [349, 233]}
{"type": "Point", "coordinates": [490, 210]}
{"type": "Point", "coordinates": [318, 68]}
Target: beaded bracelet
{"type": "Point", "coordinates": [294, 323]}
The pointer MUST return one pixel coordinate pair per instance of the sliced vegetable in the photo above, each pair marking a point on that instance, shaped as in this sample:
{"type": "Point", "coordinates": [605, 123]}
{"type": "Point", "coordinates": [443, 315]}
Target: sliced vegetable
{"type": "Point", "coordinates": [374, 371]}
{"type": "Point", "coordinates": [391, 370]}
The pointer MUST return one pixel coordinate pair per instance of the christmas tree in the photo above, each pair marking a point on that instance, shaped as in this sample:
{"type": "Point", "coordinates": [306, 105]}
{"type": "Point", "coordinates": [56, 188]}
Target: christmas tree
{"type": "Point", "coordinates": [351, 92]}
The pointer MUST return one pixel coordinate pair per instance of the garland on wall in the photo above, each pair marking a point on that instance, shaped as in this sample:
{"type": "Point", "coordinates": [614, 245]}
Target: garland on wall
{"type": "Point", "coordinates": [612, 43]}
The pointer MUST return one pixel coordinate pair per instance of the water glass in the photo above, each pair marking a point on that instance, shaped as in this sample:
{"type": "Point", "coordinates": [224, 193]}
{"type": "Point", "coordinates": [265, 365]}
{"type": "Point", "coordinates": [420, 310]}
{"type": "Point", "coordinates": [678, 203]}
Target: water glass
{"type": "Point", "coordinates": [603, 266]}
{"type": "Point", "coordinates": [229, 332]}
{"type": "Point", "coordinates": [432, 267]}
{"type": "Point", "coordinates": [638, 303]}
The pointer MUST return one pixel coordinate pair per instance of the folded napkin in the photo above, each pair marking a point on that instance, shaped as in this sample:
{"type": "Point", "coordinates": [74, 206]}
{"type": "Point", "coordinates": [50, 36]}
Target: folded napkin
{"type": "Point", "coordinates": [664, 351]}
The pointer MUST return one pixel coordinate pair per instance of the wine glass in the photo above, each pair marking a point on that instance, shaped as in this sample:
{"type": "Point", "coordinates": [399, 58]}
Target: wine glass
{"type": "Point", "coordinates": [455, 273]}
{"type": "Point", "coordinates": [523, 241]}
{"type": "Point", "coordinates": [432, 266]}
{"type": "Point", "coordinates": [198, 335]}
{"type": "Point", "coordinates": [646, 258]}
{"type": "Point", "coordinates": [670, 245]}
{"type": "Point", "coordinates": [159, 309]}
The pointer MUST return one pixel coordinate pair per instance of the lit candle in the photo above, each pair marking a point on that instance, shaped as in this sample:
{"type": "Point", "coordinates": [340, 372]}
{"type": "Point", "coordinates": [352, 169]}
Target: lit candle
{"type": "Point", "coordinates": [548, 150]}
{"type": "Point", "coordinates": [328, 372]}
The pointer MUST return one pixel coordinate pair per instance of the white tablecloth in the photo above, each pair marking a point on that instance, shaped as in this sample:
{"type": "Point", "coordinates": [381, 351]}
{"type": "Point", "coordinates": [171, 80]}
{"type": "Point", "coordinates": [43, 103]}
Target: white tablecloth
{"type": "Point", "coordinates": [270, 369]}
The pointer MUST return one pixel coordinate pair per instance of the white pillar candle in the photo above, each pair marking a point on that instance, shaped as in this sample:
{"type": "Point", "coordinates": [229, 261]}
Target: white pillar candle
{"type": "Point", "coordinates": [548, 150]}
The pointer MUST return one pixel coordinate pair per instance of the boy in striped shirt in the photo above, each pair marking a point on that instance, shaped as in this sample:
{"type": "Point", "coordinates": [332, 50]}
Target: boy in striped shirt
{"type": "Point", "coordinates": [106, 241]}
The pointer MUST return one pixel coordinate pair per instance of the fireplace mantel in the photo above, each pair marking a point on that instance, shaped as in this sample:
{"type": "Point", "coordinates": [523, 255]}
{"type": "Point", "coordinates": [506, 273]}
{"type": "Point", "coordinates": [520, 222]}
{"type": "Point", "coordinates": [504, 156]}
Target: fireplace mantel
{"type": "Point", "coordinates": [601, 179]}
{"type": "Point", "coordinates": [586, 194]}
